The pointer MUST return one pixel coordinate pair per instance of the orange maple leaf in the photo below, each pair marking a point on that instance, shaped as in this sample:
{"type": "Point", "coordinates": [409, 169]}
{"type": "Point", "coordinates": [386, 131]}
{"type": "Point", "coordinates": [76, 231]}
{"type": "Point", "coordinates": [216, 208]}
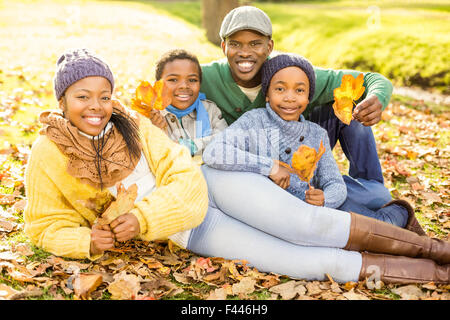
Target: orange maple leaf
{"type": "Point", "coordinates": [351, 89]}
{"type": "Point", "coordinates": [304, 162]}
{"type": "Point", "coordinates": [148, 97]}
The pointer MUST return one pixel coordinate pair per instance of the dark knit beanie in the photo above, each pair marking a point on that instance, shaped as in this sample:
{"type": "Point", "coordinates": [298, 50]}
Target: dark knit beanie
{"type": "Point", "coordinates": [77, 64]}
{"type": "Point", "coordinates": [273, 65]}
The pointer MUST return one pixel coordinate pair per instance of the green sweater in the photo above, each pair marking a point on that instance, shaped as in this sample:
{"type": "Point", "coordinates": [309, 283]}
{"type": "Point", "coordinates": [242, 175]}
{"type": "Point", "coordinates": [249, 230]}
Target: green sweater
{"type": "Point", "coordinates": [219, 86]}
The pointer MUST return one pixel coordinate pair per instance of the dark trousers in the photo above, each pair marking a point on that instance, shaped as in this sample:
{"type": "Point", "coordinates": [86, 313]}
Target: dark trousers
{"type": "Point", "coordinates": [357, 142]}
{"type": "Point", "coordinates": [365, 183]}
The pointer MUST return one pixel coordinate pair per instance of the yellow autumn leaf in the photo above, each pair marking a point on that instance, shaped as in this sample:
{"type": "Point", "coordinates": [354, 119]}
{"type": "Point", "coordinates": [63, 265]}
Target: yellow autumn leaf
{"type": "Point", "coordinates": [160, 97]}
{"type": "Point", "coordinates": [343, 109]}
{"type": "Point", "coordinates": [148, 97]}
{"type": "Point", "coordinates": [351, 89]}
{"type": "Point", "coordinates": [305, 159]}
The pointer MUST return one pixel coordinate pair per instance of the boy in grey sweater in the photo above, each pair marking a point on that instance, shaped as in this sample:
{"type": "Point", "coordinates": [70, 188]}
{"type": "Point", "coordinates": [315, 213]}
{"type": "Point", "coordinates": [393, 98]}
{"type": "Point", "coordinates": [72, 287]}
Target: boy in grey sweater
{"type": "Point", "coordinates": [262, 137]}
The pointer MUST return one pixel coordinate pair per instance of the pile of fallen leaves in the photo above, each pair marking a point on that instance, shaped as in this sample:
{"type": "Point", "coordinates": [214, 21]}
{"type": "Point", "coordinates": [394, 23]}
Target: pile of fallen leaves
{"type": "Point", "coordinates": [414, 147]}
{"type": "Point", "coordinates": [413, 141]}
{"type": "Point", "coordinates": [162, 270]}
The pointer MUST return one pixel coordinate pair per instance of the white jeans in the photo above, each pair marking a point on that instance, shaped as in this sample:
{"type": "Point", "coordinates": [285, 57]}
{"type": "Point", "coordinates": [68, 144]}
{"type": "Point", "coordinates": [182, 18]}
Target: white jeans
{"type": "Point", "coordinates": [253, 219]}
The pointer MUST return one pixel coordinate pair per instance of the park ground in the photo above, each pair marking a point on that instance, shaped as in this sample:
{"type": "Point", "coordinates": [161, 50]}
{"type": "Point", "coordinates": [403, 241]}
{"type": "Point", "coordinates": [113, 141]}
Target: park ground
{"type": "Point", "coordinates": [408, 41]}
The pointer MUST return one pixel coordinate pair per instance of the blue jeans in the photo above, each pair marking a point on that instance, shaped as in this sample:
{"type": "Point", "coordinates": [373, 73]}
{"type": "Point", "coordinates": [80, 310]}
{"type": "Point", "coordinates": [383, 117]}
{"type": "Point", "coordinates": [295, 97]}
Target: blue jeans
{"type": "Point", "coordinates": [358, 144]}
{"type": "Point", "coordinates": [393, 214]}
{"type": "Point", "coordinates": [369, 193]}
{"type": "Point", "coordinates": [253, 219]}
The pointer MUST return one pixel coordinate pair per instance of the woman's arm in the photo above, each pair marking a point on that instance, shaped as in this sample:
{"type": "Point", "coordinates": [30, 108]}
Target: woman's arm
{"type": "Point", "coordinates": [51, 222]}
{"type": "Point", "coordinates": [180, 200]}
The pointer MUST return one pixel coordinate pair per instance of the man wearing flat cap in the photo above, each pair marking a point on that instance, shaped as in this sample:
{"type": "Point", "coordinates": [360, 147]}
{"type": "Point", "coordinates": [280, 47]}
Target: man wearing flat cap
{"type": "Point", "coordinates": [234, 84]}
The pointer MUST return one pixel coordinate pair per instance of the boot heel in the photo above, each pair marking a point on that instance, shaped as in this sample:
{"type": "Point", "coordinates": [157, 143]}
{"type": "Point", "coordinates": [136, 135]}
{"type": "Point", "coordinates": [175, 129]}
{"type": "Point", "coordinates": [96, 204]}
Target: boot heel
{"type": "Point", "coordinates": [412, 224]}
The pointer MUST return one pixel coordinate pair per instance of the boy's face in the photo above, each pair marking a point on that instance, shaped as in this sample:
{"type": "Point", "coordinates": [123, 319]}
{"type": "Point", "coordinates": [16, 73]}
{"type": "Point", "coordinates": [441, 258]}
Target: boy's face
{"type": "Point", "coordinates": [288, 93]}
{"type": "Point", "coordinates": [246, 52]}
{"type": "Point", "coordinates": [182, 81]}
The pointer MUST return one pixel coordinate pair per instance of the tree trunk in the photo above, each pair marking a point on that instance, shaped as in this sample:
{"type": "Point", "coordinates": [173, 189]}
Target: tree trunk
{"type": "Point", "coordinates": [213, 12]}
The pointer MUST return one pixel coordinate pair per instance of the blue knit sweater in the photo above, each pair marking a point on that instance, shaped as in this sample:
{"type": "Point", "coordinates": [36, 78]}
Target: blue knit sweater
{"type": "Point", "coordinates": [260, 135]}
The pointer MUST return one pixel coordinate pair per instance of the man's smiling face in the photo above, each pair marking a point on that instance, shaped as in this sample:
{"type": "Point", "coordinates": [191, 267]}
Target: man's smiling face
{"type": "Point", "coordinates": [246, 51]}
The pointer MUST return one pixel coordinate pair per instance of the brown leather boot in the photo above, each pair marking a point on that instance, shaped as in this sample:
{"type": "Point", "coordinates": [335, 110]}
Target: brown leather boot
{"type": "Point", "coordinates": [398, 269]}
{"type": "Point", "coordinates": [412, 224]}
{"type": "Point", "coordinates": [368, 234]}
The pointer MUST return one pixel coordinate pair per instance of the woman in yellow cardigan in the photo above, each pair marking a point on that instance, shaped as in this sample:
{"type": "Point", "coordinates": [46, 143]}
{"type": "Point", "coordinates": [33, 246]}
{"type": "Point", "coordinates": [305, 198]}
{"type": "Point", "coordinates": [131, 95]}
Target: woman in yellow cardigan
{"type": "Point", "coordinates": [84, 149]}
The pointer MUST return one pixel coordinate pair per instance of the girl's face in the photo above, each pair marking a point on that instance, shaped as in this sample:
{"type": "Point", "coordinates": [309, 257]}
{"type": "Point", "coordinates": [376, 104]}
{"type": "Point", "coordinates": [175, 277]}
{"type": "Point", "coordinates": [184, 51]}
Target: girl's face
{"type": "Point", "coordinates": [288, 93]}
{"type": "Point", "coordinates": [182, 82]}
{"type": "Point", "coordinates": [87, 104]}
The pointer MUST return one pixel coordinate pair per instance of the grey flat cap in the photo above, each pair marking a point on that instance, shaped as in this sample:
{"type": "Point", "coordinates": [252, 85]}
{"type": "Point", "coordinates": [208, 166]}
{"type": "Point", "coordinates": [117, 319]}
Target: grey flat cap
{"type": "Point", "coordinates": [245, 18]}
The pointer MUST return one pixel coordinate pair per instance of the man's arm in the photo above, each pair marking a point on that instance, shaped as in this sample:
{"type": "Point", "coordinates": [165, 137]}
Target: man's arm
{"type": "Point", "coordinates": [369, 107]}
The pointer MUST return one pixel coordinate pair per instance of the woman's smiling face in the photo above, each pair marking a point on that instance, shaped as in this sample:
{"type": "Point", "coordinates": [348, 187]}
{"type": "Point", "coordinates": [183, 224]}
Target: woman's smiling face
{"type": "Point", "coordinates": [87, 104]}
{"type": "Point", "coordinates": [182, 82]}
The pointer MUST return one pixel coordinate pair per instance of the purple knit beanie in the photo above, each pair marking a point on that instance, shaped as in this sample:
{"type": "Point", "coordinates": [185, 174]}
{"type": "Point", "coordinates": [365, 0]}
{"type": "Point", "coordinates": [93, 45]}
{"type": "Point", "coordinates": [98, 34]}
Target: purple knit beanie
{"type": "Point", "coordinates": [77, 64]}
{"type": "Point", "coordinates": [273, 65]}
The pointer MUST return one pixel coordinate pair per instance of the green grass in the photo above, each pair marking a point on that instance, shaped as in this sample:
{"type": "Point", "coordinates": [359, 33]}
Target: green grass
{"type": "Point", "coordinates": [190, 11]}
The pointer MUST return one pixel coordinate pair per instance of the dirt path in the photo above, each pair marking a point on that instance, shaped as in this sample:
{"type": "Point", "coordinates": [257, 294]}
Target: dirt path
{"type": "Point", "coordinates": [426, 96]}
{"type": "Point", "coordinates": [130, 36]}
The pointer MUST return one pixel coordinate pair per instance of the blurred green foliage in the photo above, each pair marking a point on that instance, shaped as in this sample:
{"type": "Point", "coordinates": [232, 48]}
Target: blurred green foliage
{"type": "Point", "coordinates": [407, 41]}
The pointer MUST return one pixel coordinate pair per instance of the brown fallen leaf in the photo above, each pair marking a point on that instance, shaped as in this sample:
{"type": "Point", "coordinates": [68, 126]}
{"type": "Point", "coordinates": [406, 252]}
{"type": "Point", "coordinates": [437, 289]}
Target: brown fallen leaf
{"type": "Point", "coordinates": [125, 286]}
{"type": "Point", "coordinates": [85, 283]}
{"type": "Point", "coordinates": [182, 278]}
{"type": "Point", "coordinates": [10, 256]}
{"type": "Point", "coordinates": [409, 292]}
{"type": "Point", "coordinates": [26, 294]}
{"type": "Point", "coordinates": [216, 276]}
{"type": "Point", "coordinates": [217, 294]}
{"type": "Point", "coordinates": [19, 205]}
{"type": "Point", "coordinates": [289, 290]}
{"type": "Point", "coordinates": [313, 288]}
{"type": "Point", "coordinates": [7, 226]}
{"type": "Point", "coordinates": [152, 263]}
{"type": "Point", "coordinates": [352, 295]}
{"type": "Point", "coordinates": [123, 204]}
{"type": "Point", "coordinates": [431, 197]}
{"type": "Point", "coordinates": [429, 286]}
{"type": "Point", "coordinates": [245, 286]}
{"type": "Point", "coordinates": [99, 203]}
{"type": "Point", "coordinates": [6, 292]}
{"type": "Point", "coordinates": [23, 248]}
{"type": "Point", "coordinates": [270, 281]}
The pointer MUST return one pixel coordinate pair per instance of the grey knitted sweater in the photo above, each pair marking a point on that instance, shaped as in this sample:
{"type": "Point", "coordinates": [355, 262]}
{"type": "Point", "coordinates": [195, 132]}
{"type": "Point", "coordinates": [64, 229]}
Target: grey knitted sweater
{"type": "Point", "coordinates": [260, 135]}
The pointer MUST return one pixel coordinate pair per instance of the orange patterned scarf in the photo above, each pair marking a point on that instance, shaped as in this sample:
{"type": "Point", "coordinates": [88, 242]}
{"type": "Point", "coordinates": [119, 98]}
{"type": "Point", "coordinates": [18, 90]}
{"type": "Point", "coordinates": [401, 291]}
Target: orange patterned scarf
{"type": "Point", "coordinates": [112, 156]}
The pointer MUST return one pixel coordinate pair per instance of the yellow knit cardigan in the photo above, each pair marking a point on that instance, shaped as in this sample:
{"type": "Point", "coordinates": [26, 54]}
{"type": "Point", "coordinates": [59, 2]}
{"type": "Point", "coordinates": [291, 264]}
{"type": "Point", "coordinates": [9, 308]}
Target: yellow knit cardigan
{"type": "Point", "coordinates": [58, 222]}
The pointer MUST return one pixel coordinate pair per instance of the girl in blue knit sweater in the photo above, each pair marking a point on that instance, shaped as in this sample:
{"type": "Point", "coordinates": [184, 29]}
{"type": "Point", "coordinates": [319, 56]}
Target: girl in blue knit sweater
{"type": "Point", "coordinates": [262, 137]}
{"type": "Point", "coordinates": [299, 233]}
